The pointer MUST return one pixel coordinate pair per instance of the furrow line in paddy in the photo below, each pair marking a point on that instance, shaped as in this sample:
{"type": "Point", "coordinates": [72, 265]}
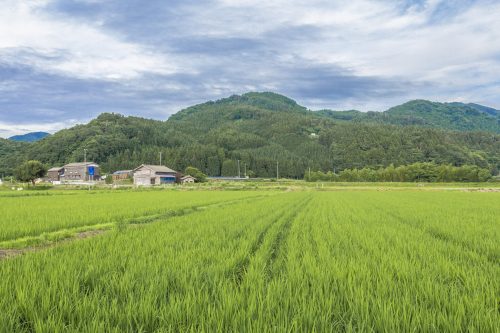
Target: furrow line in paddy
{"type": "Point", "coordinates": [279, 243]}
{"type": "Point", "coordinates": [239, 271]}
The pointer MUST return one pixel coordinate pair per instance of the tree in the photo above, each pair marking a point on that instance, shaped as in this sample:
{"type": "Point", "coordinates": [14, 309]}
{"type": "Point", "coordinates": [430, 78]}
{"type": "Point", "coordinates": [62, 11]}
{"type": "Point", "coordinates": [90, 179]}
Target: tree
{"type": "Point", "coordinates": [229, 168]}
{"type": "Point", "coordinates": [30, 170]}
{"type": "Point", "coordinates": [196, 173]}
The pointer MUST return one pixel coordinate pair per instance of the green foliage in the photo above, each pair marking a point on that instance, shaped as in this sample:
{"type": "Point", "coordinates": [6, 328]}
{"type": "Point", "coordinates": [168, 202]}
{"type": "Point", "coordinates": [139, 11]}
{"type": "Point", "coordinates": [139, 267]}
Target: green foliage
{"type": "Point", "coordinates": [450, 116]}
{"type": "Point", "coordinates": [196, 173]}
{"type": "Point", "coordinates": [229, 168]}
{"type": "Point", "coordinates": [109, 179]}
{"type": "Point", "coordinates": [11, 155]}
{"type": "Point", "coordinates": [29, 171]}
{"type": "Point", "coordinates": [260, 129]}
{"type": "Point", "coordinates": [417, 172]}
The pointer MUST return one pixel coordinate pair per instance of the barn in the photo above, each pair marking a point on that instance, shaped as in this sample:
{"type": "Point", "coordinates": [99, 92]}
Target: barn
{"type": "Point", "coordinates": [146, 175]}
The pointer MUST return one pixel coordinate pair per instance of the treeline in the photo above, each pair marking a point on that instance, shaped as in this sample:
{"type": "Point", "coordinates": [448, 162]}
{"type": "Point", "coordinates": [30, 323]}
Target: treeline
{"type": "Point", "coordinates": [416, 172]}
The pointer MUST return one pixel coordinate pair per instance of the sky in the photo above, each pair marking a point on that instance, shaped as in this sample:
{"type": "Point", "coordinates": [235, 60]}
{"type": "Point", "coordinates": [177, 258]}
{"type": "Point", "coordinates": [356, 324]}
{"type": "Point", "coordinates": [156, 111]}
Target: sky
{"type": "Point", "coordinates": [63, 62]}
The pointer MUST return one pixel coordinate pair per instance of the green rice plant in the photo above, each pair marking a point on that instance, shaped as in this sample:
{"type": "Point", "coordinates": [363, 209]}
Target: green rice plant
{"type": "Point", "coordinates": [33, 215]}
{"type": "Point", "coordinates": [347, 261]}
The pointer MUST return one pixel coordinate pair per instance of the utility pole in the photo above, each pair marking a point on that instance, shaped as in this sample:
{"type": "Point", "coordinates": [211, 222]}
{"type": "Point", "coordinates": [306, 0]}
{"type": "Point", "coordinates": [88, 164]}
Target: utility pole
{"type": "Point", "coordinates": [85, 163]}
{"type": "Point", "coordinates": [309, 173]}
{"type": "Point", "coordinates": [160, 158]}
{"type": "Point", "coordinates": [239, 174]}
{"type": "Point", "coordinates": [245, 166]}
{"type": "Point", "coordinates": [277, 170]}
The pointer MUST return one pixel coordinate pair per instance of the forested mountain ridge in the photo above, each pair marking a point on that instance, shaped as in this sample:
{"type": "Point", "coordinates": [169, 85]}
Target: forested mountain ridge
{"type": "Point", "coordinates": [29, 137]}
{"type": "Point", "coordinates": [451, 116]}
{"type": "Point", "coordinates": [258, 129]}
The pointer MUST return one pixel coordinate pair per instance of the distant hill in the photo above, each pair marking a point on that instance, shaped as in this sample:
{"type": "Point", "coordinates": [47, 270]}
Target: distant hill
{"type": "Point", "coordinates": [29, 137]}
{"type": "Point", "coordinates": [451, 116]}
{"type": "Point", "coordinates": [261, 129]}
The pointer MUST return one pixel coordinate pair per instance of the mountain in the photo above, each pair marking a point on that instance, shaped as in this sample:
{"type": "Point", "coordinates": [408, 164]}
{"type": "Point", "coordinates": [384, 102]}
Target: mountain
{"type": "Point", "coordinates": [259, 129]}
{"type": "Point", "coordinates": [29, 137]}
{"type": "Point", "coordinates": [450, 116]}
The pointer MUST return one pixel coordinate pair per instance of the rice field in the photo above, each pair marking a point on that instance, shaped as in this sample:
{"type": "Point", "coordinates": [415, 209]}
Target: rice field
{"type": "Point", "coordinates": [305, 261]}
{"type": "Point", "coordinates": [30, 215]}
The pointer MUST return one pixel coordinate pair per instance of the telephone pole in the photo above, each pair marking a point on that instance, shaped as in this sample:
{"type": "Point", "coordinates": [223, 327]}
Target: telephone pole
{"type": "Point", "coordinates": [239, 174]}
{"type": "Point", "coordinates": [160, 158]}
{"type": "Point", "coordinates": [85, 163]}
{"type": "Point", "coordinates": [245, 167]}
{"type": "Point", "coordinates": [277, 170]}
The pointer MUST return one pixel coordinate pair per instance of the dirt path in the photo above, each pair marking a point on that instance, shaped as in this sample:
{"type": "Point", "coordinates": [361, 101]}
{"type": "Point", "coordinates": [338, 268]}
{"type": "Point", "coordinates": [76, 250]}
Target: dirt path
{"type": "Point", "coordinates": [9, 253]}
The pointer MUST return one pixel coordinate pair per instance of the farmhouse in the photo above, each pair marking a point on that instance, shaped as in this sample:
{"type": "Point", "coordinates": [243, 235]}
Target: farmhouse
{"type": "Point", "coordinates": [122, 174]}
{"type": "Point", "coordinates": [81, 172]}
{"type": "Point", "coordinates": [54, 174]}
{"type": "Point", "coordinates": [154, 175]}
{"type": "Point", "coordinates": [187, 179]}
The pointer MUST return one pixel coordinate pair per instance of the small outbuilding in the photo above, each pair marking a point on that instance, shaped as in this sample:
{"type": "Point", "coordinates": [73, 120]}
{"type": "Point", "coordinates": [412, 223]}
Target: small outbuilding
{"type": "Point", "coordinates": [122, 174]}
{"type": "Point", "coordinates": [146, 175]}
{"type": "Point", "coordinates": [54, 174]}
{"type": "Point", "coordinates": [187, 179]}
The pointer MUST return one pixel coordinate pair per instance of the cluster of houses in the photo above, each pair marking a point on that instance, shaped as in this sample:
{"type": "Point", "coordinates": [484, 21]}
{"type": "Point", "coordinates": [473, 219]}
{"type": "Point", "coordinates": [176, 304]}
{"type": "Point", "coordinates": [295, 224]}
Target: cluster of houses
{"type": "Point", "coordinates": [144, 175]}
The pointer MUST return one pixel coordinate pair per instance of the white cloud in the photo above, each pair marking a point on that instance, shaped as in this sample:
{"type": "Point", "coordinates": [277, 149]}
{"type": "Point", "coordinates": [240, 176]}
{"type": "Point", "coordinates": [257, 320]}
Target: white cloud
{"type": "Point", "coordinates": [379, 53]}
{"type": "Point", "coordinates": [62, 45]}
{"type": "Point", "coordinates": [454, 50]}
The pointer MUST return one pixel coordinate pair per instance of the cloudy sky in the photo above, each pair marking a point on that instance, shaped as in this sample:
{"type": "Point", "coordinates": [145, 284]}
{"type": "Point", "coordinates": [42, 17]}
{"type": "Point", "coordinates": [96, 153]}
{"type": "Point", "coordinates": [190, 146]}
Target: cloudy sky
{"type": "Point", "coordinates": [65, 61]}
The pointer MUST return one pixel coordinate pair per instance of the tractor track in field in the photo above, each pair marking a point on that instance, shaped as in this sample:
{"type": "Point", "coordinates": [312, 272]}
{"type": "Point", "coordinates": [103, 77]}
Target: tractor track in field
{"type": "Point", "coordinates": [7, 253]}
{"type": "Point", "coordinates": [241, 267]}
{"type": "Point", "coordinates": [280, 242]}
{"type": "Point", "coordinates": [239, 271]}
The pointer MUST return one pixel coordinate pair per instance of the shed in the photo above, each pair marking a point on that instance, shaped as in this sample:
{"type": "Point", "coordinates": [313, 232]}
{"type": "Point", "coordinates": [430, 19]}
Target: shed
{"type": "Point", "coordinates": [187, 179]}
{"type": "Point", "coordinates": [122, 174]}
{"type": "Point", "coordinates": [154, 175]}
{"type": "Point", "coordinates": [54, 174]}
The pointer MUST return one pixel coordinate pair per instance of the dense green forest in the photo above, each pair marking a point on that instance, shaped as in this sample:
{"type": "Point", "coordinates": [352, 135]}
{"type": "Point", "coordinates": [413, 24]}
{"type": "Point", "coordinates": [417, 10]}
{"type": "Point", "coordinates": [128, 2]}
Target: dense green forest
{"type": "Point", "coordinates": [259, 129]}
{"type": "Point", "coordinates": [451, 116]}
{"type": "Point", "coordinates": [12, 153]}
{"type": "Point", "coordinates": [416, 172]}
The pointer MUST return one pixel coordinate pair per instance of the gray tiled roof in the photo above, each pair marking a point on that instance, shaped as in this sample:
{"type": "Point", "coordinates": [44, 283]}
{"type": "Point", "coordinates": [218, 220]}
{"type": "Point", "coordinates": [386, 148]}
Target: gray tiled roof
{"type": "Point", "coordinates": [79, 164]}
{"type": "Point", "coordinates": [156, 168]}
